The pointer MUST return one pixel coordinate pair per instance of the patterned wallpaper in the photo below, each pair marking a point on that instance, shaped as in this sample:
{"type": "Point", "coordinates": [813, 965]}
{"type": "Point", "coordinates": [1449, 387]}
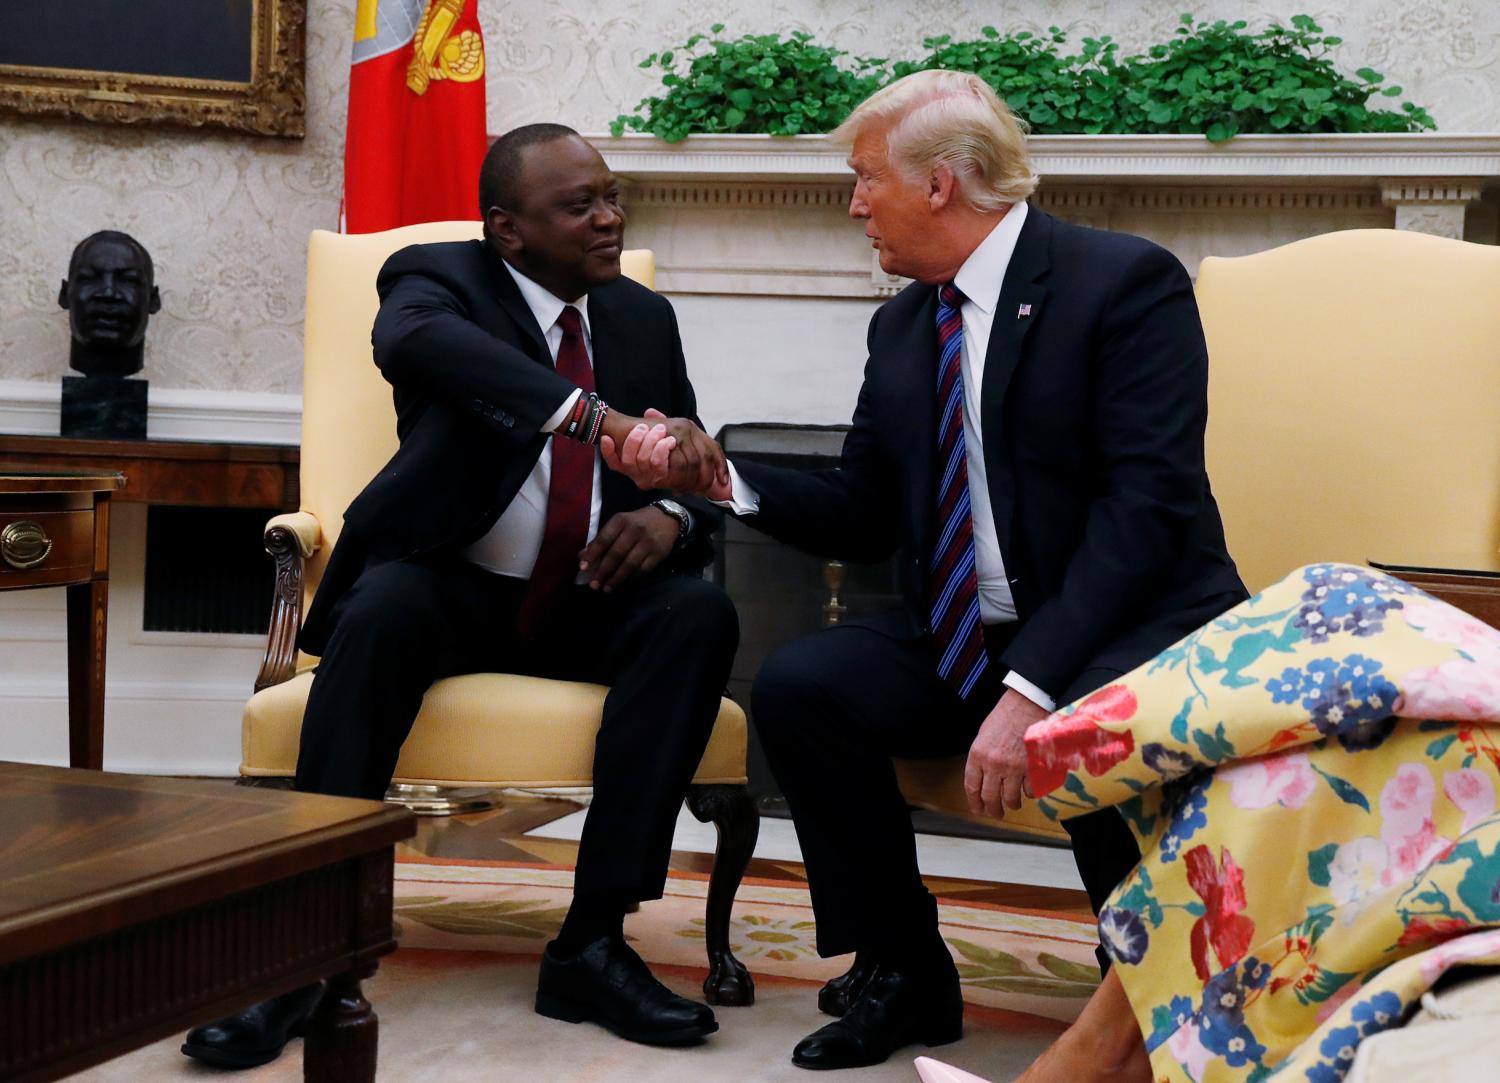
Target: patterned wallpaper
{"type": "Point", "coordinates": [226, 216]}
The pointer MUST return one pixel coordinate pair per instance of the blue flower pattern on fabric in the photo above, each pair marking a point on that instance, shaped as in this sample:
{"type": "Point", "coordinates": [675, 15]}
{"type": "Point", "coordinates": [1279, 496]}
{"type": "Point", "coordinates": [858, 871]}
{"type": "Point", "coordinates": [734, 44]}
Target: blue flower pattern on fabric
{"type": "Point", "coordinates": [1222, 1028]}
{"type": "Point", "coordinates": [1380, 1012]}
{"type": "Point", "coordinates": [1168, 763]}
{"type": "Point", "coordinates": [1124, 934]}
{"type": "Point", "coordinates": [1189, 804]}
{"type": "Point", "coordinates": [1351, 700]}
{"type": "Point", "coordinates": [1340, 598]}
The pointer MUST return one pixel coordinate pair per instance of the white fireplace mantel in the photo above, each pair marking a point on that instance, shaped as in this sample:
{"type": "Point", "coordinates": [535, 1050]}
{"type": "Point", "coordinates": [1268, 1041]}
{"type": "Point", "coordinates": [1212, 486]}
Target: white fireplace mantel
{"type": "Point", "coordinates": [701, 203]}
{"type": "Point", "coordinates": [1156, 158]}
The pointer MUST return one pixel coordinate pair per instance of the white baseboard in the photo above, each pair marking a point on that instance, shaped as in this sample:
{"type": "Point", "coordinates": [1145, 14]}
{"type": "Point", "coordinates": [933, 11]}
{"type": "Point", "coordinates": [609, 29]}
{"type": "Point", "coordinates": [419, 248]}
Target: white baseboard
{"type": "Point", "coordinates": [33, 408]}
{"type": "Point", "coordinates": [126, 691]}
{"type": "Point", "coordinates": [167, 768]}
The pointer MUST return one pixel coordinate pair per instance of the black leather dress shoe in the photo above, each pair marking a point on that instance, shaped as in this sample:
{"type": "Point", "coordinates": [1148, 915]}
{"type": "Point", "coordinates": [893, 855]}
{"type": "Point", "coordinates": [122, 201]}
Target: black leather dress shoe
{"type": "Point", "coordinates": [609, 984]}
{"type": "Point", "coordinates": [895, 1009]}
{"type": "Point", "coordinates": [840, 992]}
{"type": "Point", "coordinates": [256, 1035]}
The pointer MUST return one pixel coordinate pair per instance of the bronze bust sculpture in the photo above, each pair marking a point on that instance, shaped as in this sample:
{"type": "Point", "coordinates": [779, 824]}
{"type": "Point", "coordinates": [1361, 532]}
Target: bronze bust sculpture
{"type": "Point", "coordinates": [110, 293]}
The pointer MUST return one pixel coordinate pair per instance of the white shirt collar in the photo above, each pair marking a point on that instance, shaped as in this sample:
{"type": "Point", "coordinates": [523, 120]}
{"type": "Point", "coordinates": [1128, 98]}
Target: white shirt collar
{"type": "Point", "coordinates": [547, 306]}
{"type": "Point", "coordinates": [980, 277]}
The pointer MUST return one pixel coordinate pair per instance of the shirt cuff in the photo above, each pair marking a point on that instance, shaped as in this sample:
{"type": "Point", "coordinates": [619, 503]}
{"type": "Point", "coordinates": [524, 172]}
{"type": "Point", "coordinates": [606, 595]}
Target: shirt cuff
{"type": "Point", "coordinates": [743, 500]}
{"type": "Point", "coordinates": [553, 423]}
{"type": "Point", "coordinates": [1030, 691]}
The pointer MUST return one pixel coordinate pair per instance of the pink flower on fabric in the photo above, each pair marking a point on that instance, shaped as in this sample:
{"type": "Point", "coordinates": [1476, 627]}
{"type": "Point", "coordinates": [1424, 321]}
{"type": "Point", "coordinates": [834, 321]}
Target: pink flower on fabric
{"type": "Point", "coordinates": [1189, 1051]}
{"type": "Point", "coordinates": [1411, 840]}
{"type": "Point", "coordinates": [1286, 779]}
{"type": "Point", "coordinates": [1333, 1003]}
{"type": "Point", "coordinates": [1472, 792]}
{"type": "Point", "coordinates": [1461, 950]}
{"type": "Point", "coordinates": [1461, 690]}
{"type": "Point", "coordinates": [1058, 745]}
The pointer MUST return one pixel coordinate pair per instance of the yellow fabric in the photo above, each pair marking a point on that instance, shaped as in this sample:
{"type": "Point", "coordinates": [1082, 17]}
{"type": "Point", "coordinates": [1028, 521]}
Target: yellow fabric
{"type": "Point", "coordinates": [1353, 383]}
{"type": "Point", "coordinates": [1312, 778]}
{"type": "Point", "coordinates": [489, 729]}
{"type": "Point", "coordinates": [482, 728]}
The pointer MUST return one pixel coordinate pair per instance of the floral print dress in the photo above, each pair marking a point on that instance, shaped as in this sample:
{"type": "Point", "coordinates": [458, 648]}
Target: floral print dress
{"type": "Point", "coordinates": [1312, 778]}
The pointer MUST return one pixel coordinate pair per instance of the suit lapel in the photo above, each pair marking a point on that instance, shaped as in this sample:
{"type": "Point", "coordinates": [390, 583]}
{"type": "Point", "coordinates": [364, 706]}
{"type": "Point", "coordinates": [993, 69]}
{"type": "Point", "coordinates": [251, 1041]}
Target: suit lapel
{"type": "Point", "coordinates": [515, 306]}
{"type": "Point", "coordinates": [1023, 298]}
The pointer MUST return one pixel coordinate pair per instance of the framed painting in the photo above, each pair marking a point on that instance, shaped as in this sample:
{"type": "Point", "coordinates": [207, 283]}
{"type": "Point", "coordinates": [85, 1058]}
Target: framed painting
{"type": "Point", "coordinates": [236, 64]}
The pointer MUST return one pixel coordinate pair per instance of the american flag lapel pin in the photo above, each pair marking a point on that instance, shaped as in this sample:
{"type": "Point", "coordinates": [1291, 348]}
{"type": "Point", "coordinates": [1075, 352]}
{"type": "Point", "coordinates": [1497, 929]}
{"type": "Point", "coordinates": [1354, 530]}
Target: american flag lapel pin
{"type": "Point", "coordinates": [1023, 312]}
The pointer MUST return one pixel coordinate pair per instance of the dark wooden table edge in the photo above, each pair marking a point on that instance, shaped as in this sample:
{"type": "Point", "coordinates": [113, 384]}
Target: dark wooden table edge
{"type": "Point", "coordinates": [34, 932]}
{"type": "Point", "coordinates": [360, 962]}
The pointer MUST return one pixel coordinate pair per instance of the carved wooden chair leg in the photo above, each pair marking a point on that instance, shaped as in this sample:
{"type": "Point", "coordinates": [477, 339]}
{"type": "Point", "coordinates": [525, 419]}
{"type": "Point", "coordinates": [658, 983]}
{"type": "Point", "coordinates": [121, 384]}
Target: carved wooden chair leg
{"type": "Point", "coordinates": [733, 812]}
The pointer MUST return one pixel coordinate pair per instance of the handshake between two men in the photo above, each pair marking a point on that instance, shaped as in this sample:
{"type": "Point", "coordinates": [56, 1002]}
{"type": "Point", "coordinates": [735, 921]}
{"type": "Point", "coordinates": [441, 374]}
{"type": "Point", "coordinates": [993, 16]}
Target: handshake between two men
{"type": "Point", "coordinates": [658, 453]}
{"type": "Point", "coordinates": [674, 453]}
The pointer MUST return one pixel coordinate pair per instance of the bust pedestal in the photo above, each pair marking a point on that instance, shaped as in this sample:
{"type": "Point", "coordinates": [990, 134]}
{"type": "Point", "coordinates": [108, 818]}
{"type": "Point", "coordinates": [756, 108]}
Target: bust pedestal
{"type": "Point", "coordinates": [104, 407]}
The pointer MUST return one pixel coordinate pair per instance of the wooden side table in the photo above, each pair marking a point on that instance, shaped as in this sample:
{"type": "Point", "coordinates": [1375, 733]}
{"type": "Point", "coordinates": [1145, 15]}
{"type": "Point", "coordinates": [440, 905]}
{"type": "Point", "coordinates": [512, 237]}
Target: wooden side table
{"type": "Point", "coordinates": [1469, 583]}
{"type": "Point", "coordinates": [54, 532]}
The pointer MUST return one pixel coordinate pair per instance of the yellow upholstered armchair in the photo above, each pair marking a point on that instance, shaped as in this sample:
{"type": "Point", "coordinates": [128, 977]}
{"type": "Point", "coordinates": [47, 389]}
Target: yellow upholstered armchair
{"type": "Point", "coordinates": [487, 729]}
{"type": "Point", "coordinates": [1354, 415]}
{"type": "Point", "coordinates": [1354, 400]}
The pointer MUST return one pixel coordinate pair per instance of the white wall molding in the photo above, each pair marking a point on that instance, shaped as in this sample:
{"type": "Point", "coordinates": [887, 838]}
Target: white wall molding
{"type": "Point", "coordinates": [132, 691]}
{"type": "Point", "coordinates": [33, 408]}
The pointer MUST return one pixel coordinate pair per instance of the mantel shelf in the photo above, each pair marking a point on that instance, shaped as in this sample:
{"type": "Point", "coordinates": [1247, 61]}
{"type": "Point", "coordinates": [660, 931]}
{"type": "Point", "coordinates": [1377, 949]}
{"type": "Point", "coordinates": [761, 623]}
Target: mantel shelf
{"type": "Point", "coordinates": [744, 215]}
{"type": "Point", "coordinates": [1159, 158]}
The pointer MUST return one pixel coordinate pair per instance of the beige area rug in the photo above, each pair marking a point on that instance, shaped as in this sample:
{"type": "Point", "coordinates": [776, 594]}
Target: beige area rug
{"type": "Point", "coordinates": [455, 1000]}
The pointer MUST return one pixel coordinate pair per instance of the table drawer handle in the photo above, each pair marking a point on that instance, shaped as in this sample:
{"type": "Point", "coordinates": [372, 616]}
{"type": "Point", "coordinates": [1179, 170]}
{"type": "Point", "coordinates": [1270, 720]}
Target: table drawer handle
{"type": "Point", "coordinates": [24, 544]}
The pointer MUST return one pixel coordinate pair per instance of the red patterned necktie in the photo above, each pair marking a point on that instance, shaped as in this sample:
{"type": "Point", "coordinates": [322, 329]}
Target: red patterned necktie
{"type": "Point", "coordinates": [953, 583]}
{"type": "Point", "coordinates": [569, 495]}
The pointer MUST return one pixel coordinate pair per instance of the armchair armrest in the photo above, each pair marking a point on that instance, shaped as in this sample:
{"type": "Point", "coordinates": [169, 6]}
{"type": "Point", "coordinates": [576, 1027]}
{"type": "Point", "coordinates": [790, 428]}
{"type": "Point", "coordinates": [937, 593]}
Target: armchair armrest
{"type": "Point", "coordinates": [290, 539]}
{"type": "Point", "coordinates": [304, 527]}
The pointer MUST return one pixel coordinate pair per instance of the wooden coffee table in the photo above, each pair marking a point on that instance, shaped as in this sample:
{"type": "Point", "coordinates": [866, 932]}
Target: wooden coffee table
{"type": "Point", "coordinates": [134, 908]}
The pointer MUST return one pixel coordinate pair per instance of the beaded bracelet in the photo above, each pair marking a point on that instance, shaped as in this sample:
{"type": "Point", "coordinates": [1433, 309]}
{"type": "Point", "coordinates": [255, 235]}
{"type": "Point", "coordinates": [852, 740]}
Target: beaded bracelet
{"type": "Point", "coordinates": [575, 417]}
{"type": "Point", "coordinates": [586, 421]}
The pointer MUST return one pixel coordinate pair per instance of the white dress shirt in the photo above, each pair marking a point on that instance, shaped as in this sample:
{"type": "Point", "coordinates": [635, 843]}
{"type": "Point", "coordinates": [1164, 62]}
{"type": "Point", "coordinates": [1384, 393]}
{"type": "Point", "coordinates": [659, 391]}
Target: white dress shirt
{"type": "Point", "coordinates": [511, 546]}
{"type": "Point", "coordinates": [979, 279]}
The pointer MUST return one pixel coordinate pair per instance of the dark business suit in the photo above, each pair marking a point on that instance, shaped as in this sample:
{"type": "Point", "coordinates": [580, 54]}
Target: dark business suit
{"type": "Point", "coordinates": [1093, 406]}
{"type": "Point", "coordinates": [399, 607]}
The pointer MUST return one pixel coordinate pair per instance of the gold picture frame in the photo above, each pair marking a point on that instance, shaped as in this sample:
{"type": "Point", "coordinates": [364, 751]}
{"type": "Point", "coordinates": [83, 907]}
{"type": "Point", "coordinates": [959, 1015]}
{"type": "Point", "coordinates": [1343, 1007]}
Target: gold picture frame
{"type": "Point", "coordinates": [273, 101]}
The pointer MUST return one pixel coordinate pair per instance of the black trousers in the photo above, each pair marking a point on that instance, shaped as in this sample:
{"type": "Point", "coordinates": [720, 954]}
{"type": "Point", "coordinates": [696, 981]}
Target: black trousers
{"type": "Point", "coordinates": [664, 645]}
{"type": "Point", "coordinates": [831, 710]}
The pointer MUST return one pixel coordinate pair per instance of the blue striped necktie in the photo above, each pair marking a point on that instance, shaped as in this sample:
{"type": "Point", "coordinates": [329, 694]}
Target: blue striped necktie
{"type": "Point", "coordinates": [953, 584]}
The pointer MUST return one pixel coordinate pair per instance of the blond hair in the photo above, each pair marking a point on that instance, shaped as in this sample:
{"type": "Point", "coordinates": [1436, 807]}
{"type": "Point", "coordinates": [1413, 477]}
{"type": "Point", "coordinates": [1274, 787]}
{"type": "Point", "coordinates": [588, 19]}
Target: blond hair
{"type": "Point", "coordinates": [953, 119]}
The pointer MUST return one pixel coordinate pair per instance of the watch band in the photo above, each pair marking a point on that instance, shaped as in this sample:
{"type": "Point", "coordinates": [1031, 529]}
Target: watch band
{"type": "Point", "coordinates": [676, 511]}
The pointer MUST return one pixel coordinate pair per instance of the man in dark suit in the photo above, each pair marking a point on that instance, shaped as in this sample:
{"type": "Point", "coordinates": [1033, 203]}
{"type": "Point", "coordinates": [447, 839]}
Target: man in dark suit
{"type": "Point", "coordinates": [494, 541]}
{"type": "Point", "coordinates": [1029, 442]}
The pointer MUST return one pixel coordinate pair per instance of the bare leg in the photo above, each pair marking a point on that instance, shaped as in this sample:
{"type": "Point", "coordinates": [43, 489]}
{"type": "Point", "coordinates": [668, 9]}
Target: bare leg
{"type": "Point", "coordinates": [1104, 1044]}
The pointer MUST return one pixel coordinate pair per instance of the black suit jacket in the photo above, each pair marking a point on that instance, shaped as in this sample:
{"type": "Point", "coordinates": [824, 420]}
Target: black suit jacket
{"type": "Point", "coordinates": [473, 382]}
{"type": "Point", "coordinates": [1093, 410]}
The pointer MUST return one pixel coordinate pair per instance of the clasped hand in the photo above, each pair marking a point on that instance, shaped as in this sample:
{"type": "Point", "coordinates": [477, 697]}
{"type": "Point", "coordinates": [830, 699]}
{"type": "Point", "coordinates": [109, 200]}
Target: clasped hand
{"type": "Point", "coordinates": [995, 775]}
{"type": "Point", "coordinates": [667, 453]}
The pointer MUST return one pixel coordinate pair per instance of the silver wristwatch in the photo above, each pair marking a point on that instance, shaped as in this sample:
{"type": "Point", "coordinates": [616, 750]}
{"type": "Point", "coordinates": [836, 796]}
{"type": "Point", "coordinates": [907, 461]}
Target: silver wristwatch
{"type": "Point", "coordinates": [676, 511]}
